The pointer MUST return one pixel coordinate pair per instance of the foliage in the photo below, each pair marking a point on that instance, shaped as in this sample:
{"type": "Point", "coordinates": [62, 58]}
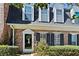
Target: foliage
{"type": "Point", "coordinates": [75, 17]}
{"type": "Point", "coordinates": [77, 4]}
{"type": "Point", "coordinates": [41, 5]}
{"type": "Point", "coordinates": [64, 51]}
{"type": "Point", "coordinates": [6, 50]}
{"type": "Point", "coordinates": [42, 49]}
{"type": "Point", "coordinates": [17, 5]}
{"type": "Point", "coordinates": [20, 5]}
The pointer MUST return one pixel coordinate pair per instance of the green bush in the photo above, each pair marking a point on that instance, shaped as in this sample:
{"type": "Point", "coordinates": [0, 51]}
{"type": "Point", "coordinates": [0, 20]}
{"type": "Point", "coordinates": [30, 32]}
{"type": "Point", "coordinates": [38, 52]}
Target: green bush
{"type": "Point", "coordinates": [6, 50]}
{"type": "Point", "coordinates": [64, 51]}
{"type": "Point", "coordinates": [43, 50]}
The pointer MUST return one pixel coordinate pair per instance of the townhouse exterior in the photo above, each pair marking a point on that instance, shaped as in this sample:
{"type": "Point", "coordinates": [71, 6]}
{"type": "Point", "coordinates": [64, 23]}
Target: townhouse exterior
{"type": "Point", "coordinates": [56, 25]}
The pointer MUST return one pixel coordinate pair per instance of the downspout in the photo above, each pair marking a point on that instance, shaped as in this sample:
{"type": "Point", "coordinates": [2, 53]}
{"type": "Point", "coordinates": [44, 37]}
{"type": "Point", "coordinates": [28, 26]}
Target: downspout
{"type": "Point", "coordinates": [13, 34]}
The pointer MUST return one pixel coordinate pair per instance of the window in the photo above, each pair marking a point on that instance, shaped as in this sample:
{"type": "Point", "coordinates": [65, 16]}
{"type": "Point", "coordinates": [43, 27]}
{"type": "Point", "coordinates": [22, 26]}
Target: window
{"type": "Point", "coordinates": [28, 9]}
{"type": "Point", "coordinates": [57, 39]}
{"type": "Point", "coordinates": [50, 39]}
{"type": "Point", "coordinates": [28, 12]}
{"type": "Point", "coordinates": [44, 15]}
{"type": "Point", "coordinates": [59, 15]}
{"type": "Point", "coordinates": [59, 12]}
{"type": "Point", "coordinates": [74, 39]}
{"type": "Point", "coordinates": [28, 17]}
{"type": "Point", "coordinates": [42, 36]}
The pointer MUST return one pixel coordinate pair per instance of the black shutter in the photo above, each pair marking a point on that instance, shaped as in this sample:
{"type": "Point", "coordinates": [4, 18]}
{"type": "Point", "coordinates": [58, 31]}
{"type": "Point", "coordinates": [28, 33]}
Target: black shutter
{"type": "Point", "coordinates": [77, 39]}
{"type": "Point", "coordinates": [69, 39]}
{"type": "Point", "coordinates": [52, 38]}
{"type": "Point", "coordinates": [48, 38]}
{"type": "Point", "coordinates": [61, 39]}
{"type": "Point", "coordinates": [38, 36]}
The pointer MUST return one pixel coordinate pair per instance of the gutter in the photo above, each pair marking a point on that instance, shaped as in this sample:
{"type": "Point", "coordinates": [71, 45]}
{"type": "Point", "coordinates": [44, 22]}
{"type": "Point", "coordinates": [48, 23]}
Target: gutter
{"type": "Point", "coordinates": [13, 37]}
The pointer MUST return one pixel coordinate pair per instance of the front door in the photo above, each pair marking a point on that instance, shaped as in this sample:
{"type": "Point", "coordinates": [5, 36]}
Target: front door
{"type": "Point", "coordinates": [28, 43]}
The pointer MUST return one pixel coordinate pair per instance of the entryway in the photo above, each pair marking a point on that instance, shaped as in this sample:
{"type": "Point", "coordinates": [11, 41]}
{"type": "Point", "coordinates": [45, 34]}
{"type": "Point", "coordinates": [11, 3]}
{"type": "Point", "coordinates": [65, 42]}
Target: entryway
{"type": "Point", "coordinates": [28, 41]}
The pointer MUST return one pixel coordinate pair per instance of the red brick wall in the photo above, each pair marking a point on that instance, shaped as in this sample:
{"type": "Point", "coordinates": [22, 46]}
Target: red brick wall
{"type": "Point", "coordinates": [65, 38]}
{"type": "Point", "coordinates": [19, 38]}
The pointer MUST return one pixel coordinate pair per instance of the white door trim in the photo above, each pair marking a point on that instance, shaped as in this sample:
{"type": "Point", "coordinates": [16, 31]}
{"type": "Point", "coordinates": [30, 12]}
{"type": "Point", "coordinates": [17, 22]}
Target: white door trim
{"type": "Point", "coordinates": [28, 31]}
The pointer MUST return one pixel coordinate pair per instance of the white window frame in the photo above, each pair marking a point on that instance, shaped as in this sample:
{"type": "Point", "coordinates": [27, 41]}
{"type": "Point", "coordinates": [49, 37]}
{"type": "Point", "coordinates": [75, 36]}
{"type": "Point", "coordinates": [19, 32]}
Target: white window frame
{"type": "Point", "coordinates": [72, 37]}
{"type": "Point", "coordinates": [41, 14]}
{"type": "Point", "coordinates": [43, 36]}
{"type": "Point", "coordinates": [55, 14]}
{"type": "Point", "coordinates": [57, 38]}
{"type": "Point", "coordinates": [23, 12]}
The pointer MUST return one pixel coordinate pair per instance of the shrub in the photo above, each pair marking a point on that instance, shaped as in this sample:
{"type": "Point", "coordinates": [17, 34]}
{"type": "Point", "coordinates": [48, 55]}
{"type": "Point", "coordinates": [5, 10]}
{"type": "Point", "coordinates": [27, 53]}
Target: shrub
{"type": "Point", "coordinates": [42, 49]}
{"type": "Point", "coordinates": [6, 50]}
{"type": "Point", "coordinates": [64, 51]}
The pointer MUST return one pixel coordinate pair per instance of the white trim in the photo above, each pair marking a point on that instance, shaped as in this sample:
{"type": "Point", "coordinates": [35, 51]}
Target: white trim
{"type": "Point", "coordinates": [23, 16]}
{"type": "Point", "coordinates": [39, 14]}
{"type": "Point", "coordinates": [55, 14]}
{"type": "Point", "coordinates": [23, 12]}
{"type": "Point", "coordinates": [76, 36]}
{"type": "Point", "coordinates": [72, 12]}
{"type": "Point", "coordinates": [33, 13]}
{"type": "Point", "coordinates": [13, 37]}
{"type": "Point", "coordinates": [28, 31]}
{"type": "Point", "coordinates": [48, 13]}
{"type": "Point", "coordinates": [47, 20]}
{"type": "Point", "coordinates": [62, 15]}
{"type": "Point", "coordinates": [54, 11]}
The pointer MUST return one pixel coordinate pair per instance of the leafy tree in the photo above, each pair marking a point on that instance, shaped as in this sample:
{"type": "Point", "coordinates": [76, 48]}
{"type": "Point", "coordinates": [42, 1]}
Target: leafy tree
{"type": "Point", "coordinates": [41, 5]}
{"type": "Point", "coordinates": [37, 5]}
{"type": "Point", "coordinates": [18, 5]}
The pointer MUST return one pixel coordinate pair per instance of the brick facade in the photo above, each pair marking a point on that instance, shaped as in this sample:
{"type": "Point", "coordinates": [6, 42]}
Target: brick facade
{"type": "Point", "coordinates": [65, 38]}
{"type": "Point", "coordinates": [19, 38]}
{"type": "Point", "coordinates": [1, 21]}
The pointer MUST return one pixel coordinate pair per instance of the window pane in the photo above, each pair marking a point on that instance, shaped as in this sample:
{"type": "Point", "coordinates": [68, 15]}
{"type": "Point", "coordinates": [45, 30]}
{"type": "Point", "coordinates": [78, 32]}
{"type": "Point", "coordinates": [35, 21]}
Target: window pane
{"type": "Point", "coordinates": [42, 36]}
{"type": "Point", "coordinates": [44, 11]}
{"type": "Point", "coordinates": [28, 12]}
{"type": "Point", "coordinates": [28, 17]}
{"type": "Point", "coordinates": [74, 39]}
{"type": "Point", "coordinates": [28, 9]}
{"type": "Point", "coordinates": [59, 15]}
{"type": "Point", "coordinates": [59, 12]}
{"type": "Point", "coordinates": [44, 15]}
{"type": "Point", "coordinates": [57, 39]}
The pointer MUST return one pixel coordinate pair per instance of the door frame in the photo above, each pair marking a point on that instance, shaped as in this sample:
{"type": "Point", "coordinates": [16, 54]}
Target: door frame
{"type": "Point", "coordinates": [28, 31]}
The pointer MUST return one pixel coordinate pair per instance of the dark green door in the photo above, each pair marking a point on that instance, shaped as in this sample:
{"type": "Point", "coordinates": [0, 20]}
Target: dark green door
{"type": "Point", "coordinates": [28, 41]}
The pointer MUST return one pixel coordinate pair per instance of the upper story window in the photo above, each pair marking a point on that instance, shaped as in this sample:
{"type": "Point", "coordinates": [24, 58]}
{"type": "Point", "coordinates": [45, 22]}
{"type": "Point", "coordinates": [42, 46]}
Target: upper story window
{"type": "Point", "coordinates": [59, 16]}
{"type": "Point", "coordinates": [59, 12]}
{"type": "Point", "coordinates": [28, 12]}
{"type": "Point", "coordinates": [44, 14]}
